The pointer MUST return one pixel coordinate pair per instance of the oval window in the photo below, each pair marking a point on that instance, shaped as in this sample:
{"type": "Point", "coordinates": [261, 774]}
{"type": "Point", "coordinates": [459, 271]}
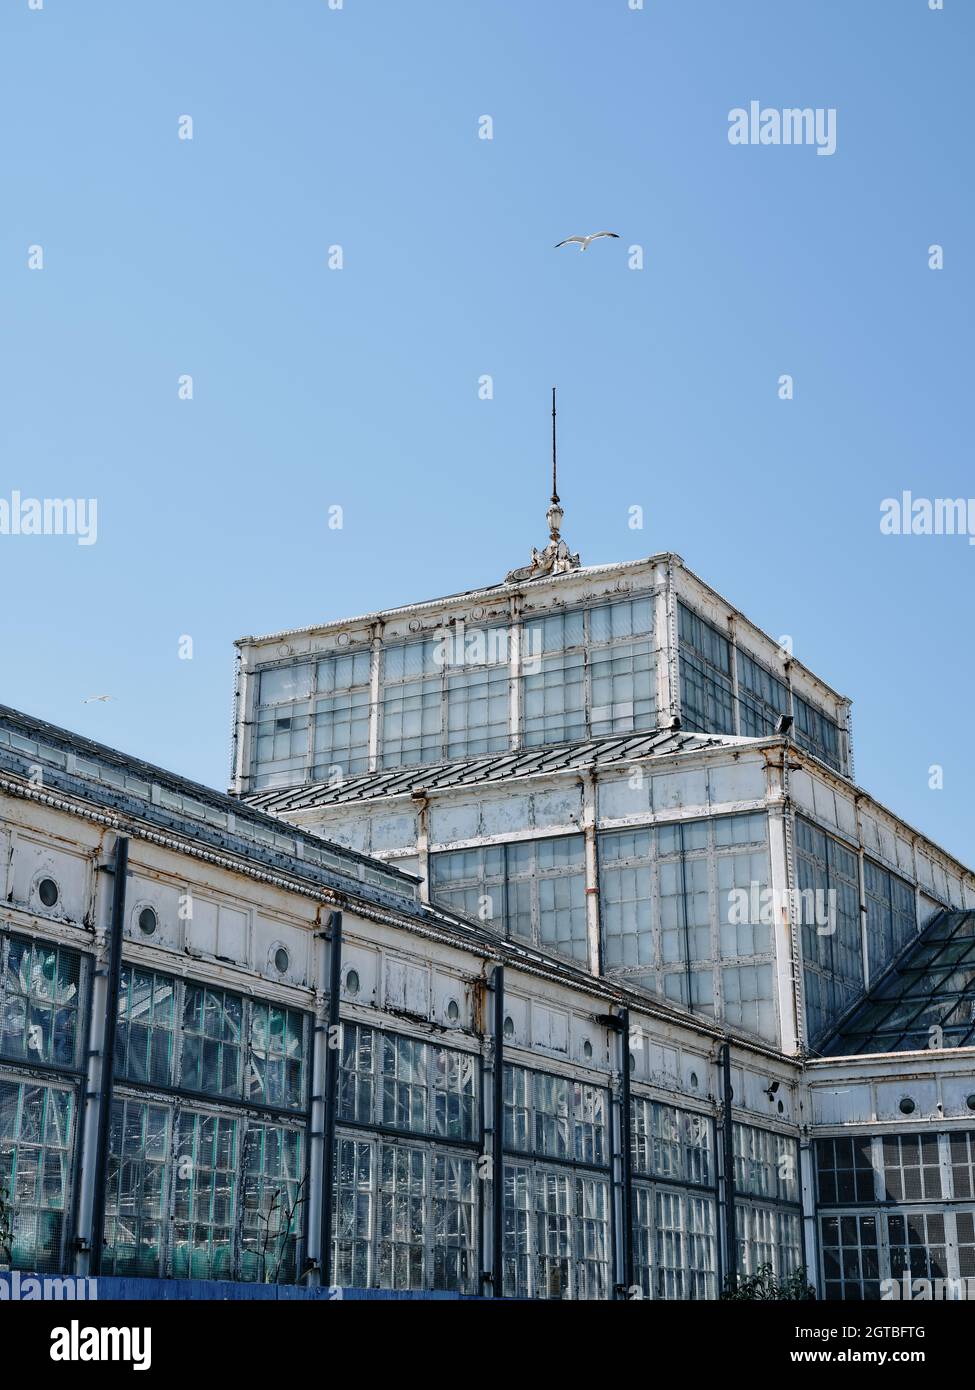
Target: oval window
{"type": "Point", "coordinates": [694, 1081]}
{"type": "Point", "coordinates": [509, 1027]}
{"type": "Point", "coordinates": [587, 1048]}
{"type": "Point", "coordinates": [352, 982]}
{"type": "Point", "coordinates": [47, 891]}
{"type": "Point", "coordinates": [453, 1012]}
{"type": "Point", "coordinates": [907, 1106]}
{"type": "Point", "coordinates": [147, 921]}
{"type": "Point", "coordinates": [970, 1102]}
{"type": "Point", "coordinates": [281, 961]}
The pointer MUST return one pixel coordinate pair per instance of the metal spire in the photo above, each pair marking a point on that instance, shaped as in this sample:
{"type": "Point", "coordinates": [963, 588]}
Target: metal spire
{"type": "Point", "coordinates": [555, 513]}
{"type": "Point", "coordinates": [556, 558]}
{"type": "Point", "coordinates": [555, 490]}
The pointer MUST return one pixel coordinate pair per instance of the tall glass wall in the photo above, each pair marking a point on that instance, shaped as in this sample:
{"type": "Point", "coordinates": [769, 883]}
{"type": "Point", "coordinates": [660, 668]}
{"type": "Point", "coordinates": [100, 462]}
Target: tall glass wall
{"type": "Point", "coordinates": [709, 664]}
{"type": "Point", "coordinates": [208, 1181]}
{"type": "Point", "coordinates": [583, 672]}
{"type": "Point", "coordinates": [686, 912]}
{"type": "Point", "coordinates": [43, 989]}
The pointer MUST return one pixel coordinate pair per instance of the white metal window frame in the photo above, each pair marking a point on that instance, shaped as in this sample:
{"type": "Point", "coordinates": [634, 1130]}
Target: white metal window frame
{"type": "Point", "coordinates": [39, 997]}
{"type": "Point", "coordinates": [508, 882]}
{"type": "Point", "coordinates": [393, 1241]}
{"type": "Point", "coordinates": [685, 1137]}
{"type": "Point", "coordinates": [577, 1128]}
{"type": "Point", "coordinates": [953, 1245]}
{"type": "Point", "coordinates": [682, 875]}
{"type": "Point", "coordinates": [674, 1260]}
{"type": "Point", "coordinates": [285, 1203]}
{"type": "Point", "coordinates": [767, 1233]}
{"type": "Point", "coordinates": [833, 973]}
{"type": "Point", "coordinates": [258, 1058]}
{"type": "Point", "coordinates": [27, 1157]}
{"type": "Point", "coordinates": [303, 710]}
{"type": "Point", "coordinates": [303, 707]}
{"type": "Point", "coordinates": [891, 914]}
{"type": "Point", "coordinates": [907, 1142]}
{"type": "Point", "coordinates": [766, 1164]}
{"type": "Point", "coordinates": [743, 705]}
{"type": "Point", "coordinates": [560, 1240]}
{"type": "Point", "coordinates": [372, 1093]}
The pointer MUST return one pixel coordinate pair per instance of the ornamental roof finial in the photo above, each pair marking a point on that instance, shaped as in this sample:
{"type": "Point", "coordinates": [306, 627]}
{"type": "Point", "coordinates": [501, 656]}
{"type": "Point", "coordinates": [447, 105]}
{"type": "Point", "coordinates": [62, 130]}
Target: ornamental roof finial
{"type": "Point", "coordinates": [555, 558]}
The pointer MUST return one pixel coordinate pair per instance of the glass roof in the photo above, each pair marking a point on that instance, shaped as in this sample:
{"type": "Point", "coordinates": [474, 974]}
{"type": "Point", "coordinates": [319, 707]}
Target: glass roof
{"type": "Point", "coordinates": [926, 999]}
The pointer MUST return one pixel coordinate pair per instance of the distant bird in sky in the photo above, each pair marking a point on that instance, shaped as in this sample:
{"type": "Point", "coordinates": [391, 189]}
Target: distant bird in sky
{"type": "Point", "coordinates": [583, 241]}
{"type": "Point", "coordinates": [92, 698]}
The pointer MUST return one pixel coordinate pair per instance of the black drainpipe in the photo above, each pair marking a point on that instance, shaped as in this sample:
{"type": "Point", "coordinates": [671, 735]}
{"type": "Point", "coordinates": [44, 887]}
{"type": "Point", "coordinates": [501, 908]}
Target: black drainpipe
{"type": "Point", "coordinates": [331, 1092]}
{"type": "Point", "coordinates": [626, 1157]}
{"type": "Point", "coordinates": [120, 870]}
{"type": "Point", "coordinates": [731, 1234]}
{"type": "Point", "coordinates": [497, 1139]}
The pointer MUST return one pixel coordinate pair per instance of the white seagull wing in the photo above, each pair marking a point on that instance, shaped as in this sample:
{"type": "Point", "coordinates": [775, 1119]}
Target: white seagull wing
{"type": "Point", "coordinates": [599, 234]}
{"type": "Point", "coordinates": [569, 240]}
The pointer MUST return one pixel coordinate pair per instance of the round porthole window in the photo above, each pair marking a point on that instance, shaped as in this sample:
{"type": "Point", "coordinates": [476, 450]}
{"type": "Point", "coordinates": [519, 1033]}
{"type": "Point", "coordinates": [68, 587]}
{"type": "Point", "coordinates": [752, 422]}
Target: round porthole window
{"type": "Point", "coordinates": [907, 1106]}
{"type": "Point", "coordinates": [587, 1048]}
{"type": "Point", "coordinates": [147, 921]}
{"type": "Point", "coordinates": [281, 961]}
{"type": "Point", "coordinates": [47, 891]}
{"type": "Point", "coordinates": [352, 982]}
{"type": "Point", "coordinates": [970, 1102]}
{"type": "Point", "coordinates": [509, 1027]}
{"type": "Point", "coordinates": [453, 1012]}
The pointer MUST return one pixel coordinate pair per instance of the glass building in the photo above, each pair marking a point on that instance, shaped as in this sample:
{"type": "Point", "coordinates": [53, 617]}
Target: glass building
{"type": "Point", "coordinates": [545, 948]}
{"type": "Point", "coordinates": [615, 766]}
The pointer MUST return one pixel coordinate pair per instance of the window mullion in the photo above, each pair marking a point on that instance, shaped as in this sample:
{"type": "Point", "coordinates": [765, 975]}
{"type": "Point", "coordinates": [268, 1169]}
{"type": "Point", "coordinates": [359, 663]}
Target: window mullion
{"type": "Point", "coordinates": [179, 1004]}
{"type": "Point", "coordinates": [168, 1207]}
{"type": "Point", "coordinates": [683, 914]}
{"type": "Point", "coordinates": [587, 671]}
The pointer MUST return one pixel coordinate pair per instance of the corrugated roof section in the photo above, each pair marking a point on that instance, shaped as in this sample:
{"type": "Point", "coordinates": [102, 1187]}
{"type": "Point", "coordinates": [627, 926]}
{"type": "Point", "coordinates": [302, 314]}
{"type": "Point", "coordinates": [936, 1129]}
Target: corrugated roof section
{"type": "Point", "coordinates": [103, 775]}
{"type": "Point", "coordinates": [493, 767]}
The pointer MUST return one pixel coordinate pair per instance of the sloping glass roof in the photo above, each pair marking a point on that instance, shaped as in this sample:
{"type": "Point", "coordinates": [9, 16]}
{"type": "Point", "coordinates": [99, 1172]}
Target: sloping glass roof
{"type": "Point", "coordinates": [930, 987]}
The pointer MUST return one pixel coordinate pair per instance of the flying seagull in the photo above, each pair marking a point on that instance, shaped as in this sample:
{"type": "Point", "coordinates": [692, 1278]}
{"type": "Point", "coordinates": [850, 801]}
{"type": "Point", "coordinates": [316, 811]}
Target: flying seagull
{"type": "Point", "coordinates": [92, 698]}
{"type": "Point", "coordinates": [583, 241]}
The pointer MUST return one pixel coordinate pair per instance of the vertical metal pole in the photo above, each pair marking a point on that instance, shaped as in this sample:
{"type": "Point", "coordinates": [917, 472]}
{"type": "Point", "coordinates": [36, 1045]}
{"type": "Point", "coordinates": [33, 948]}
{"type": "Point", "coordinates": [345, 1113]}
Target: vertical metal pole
{"type": "Point", "coordinates": [331, 1093]}
{"type": "Point", "coordinates": [555, 485]}
{"type": "Point", "coordinates": [731, 1234]}
{"type": "Point", "coordinates": [497, 1140]}
{"type": "Point", "coordinates": [807, 1188]}
{"type": "Point", "coordinates": [683, 916]}
{"type": "Point", "coordinates": [626, 1158]}
{"type": "Point", "coordinates": [108, 1052]}
{"type": "Point", "coordinates": [315, 1156]}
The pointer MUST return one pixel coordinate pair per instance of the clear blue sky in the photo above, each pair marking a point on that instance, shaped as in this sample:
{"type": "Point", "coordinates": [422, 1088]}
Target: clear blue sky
{"type": "Point", "coordinates": [313, 387]}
